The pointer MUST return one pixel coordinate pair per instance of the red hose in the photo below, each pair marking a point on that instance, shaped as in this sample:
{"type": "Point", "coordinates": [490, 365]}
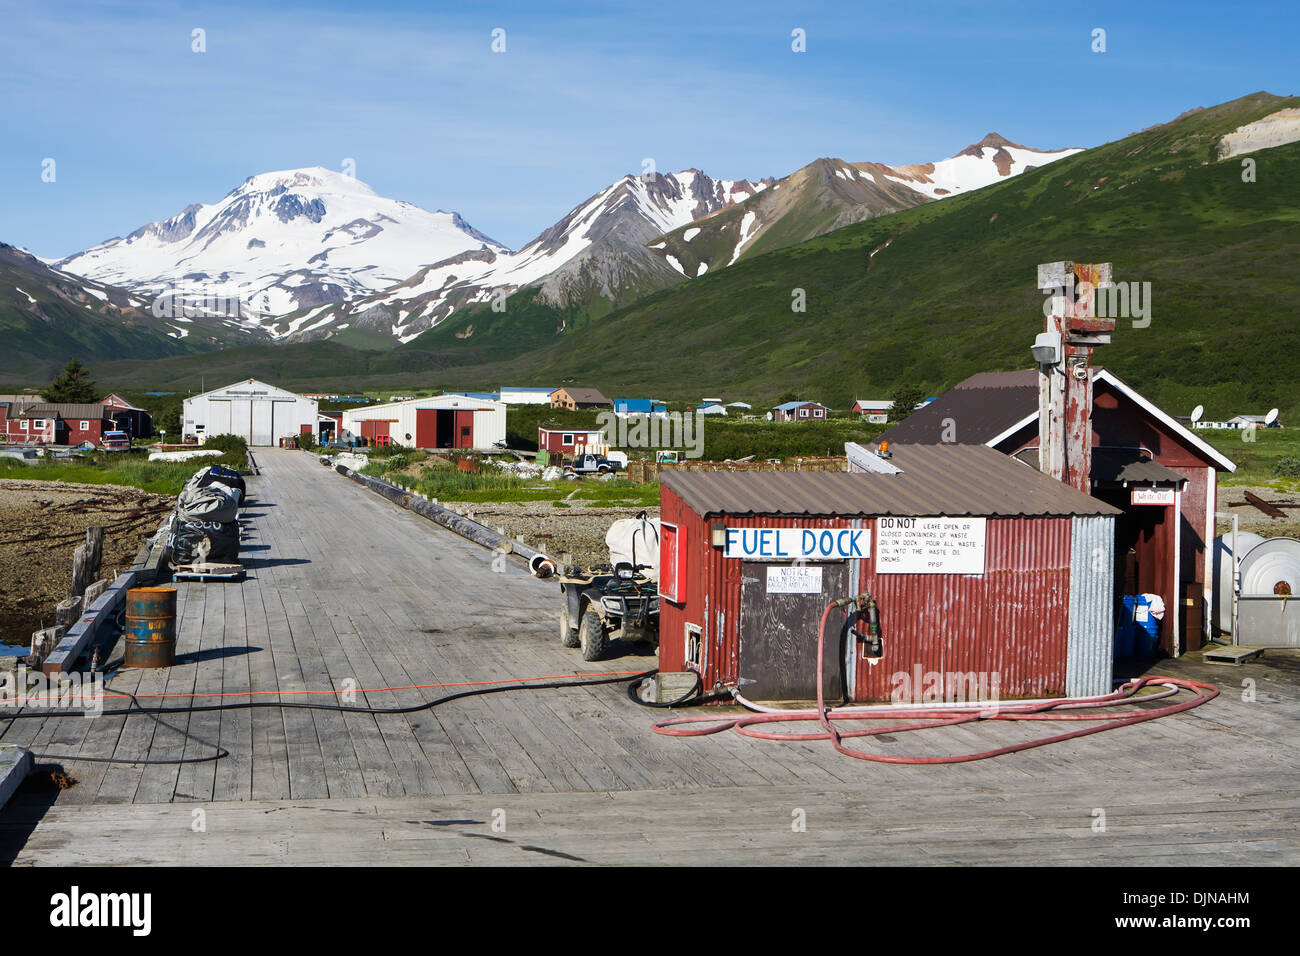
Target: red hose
{"type": "Point", "coordinates": [948, 716]}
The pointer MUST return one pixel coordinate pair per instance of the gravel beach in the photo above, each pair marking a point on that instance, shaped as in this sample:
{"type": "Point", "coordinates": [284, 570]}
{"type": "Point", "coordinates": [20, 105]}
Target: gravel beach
{"type": "Point", "coordinates": [578, 529]}
{"type": "Point", "coordinates": [41, 524]}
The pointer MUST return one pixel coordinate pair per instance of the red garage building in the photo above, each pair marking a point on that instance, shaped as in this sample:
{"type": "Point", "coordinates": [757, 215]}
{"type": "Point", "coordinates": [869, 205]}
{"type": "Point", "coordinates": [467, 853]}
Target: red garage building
{"type": "Point", "coordinates": [982, 569]}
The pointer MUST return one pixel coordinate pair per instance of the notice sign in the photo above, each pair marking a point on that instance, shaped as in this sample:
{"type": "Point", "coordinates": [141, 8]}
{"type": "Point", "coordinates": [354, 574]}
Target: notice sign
{"type": "Point", "coordinates": [805, 579]}
{"type": "Point", "coordinates": [786, 544]}
{"type": "Point", "coordinates": [930, 546]}
{"type": "Point", "coordinates": [1151, 496]}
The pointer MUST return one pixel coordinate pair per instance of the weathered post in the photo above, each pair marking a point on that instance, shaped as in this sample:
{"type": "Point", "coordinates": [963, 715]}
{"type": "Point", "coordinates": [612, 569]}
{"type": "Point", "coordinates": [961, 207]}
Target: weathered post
{"type": "Point", "coordinates": [1065, 386]}
{"type": "Point", "coordinates": [66, 614]}
{"type": "Point", "coordinates": [86, 560]}
{"type": "Point", "coordinates": [43, 642]}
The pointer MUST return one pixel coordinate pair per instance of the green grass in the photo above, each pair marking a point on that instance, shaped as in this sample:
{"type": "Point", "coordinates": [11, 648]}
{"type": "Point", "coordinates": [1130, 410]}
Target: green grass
{"type": "Point", "coordinates": [490, 485]}
{"type": "Point", "coordinates": [160, 477]}
{"type": "Point", "coordinates": [1257, 460]}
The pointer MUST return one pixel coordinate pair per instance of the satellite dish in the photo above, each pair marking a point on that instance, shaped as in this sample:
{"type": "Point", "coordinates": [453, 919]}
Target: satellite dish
{"type": "Point", "coordinates": [1197, 412]}
{"type": "Point", "coordinates": [1271, 417]}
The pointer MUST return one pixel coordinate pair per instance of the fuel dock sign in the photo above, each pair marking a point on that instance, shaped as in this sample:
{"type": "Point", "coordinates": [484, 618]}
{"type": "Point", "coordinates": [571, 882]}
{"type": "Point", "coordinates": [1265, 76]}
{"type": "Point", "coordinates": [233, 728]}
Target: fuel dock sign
{"type": "Point", "coordinates": [789, 544]}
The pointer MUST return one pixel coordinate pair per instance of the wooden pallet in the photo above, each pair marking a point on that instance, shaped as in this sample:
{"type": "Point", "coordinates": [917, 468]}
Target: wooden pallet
{"type": "Point", "coordinates": [1230, 654]}
{"type": "Point", "coordinates": [207, 571]}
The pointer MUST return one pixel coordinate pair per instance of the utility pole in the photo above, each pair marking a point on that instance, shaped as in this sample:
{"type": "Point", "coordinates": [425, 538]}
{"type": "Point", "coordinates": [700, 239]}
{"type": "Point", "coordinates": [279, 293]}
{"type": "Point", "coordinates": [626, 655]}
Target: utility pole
{"type": "Point", "coordinates": [1065, 371]}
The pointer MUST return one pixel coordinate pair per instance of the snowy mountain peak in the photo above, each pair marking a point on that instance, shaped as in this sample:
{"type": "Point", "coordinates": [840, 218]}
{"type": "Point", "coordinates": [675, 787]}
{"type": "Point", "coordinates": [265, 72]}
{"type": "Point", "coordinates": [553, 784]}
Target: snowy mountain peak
{"type": "Point", "coordinates": [309, 179]}
{"type": "Point", "coordinates": [980, 164]}
{"type": "Point", "coordinates": [283, 241]}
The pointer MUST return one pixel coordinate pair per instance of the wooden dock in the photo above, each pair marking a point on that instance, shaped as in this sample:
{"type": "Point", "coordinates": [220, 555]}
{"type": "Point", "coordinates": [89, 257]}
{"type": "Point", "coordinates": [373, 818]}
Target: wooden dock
{"type": "Point", "coordinates": [345, 590]}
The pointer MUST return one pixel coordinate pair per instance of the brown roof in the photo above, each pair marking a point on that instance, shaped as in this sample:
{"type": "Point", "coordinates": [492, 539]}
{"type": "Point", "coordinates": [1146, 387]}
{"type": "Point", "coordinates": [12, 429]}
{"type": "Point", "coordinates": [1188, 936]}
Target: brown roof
{"type": "Point", "coordinates": [974, 412]}
{"type": "Point", "coordinates": [585, 395]}
{"type": "Point", "coordinates": [1021, 378]}
{"type": "Point", "coordinates": [948, 480]}
{"type": "Point", "coordinates": [66, 410]}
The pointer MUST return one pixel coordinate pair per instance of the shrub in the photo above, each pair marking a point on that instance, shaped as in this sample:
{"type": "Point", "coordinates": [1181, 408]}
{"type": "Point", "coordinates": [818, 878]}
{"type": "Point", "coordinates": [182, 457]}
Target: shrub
{"type": "Point", "coordinates": [1287, 467]}
{"type": "Point", "coordinates": [234, 450]}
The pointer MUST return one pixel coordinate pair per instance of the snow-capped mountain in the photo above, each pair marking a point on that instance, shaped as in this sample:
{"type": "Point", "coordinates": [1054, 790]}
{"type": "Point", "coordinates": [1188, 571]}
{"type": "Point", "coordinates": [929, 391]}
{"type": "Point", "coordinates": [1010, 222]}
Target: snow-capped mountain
{"type": "Point", "coordinates": [598, 250]}
{"type": "Point", "coordinates": [829, 194]}
{"type": "Point", "coordinates": [280, 242]}
{"type": "Point", "coordinates": [310, 253]}
{"type": "Point", "coordinates": [978, 165]}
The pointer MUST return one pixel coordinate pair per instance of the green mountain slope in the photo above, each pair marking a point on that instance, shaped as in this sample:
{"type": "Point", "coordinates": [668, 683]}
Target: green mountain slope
{"type": "Point", "coordinates": [48, 317]}
{"type": "Point", "coordinates": [935, 293]}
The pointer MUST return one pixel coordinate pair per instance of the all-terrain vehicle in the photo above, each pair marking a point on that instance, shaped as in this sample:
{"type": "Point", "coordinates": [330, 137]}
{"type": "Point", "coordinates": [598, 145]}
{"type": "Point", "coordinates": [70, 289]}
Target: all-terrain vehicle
{"type": "Point", "coordinates": [598, 604]}
{"type": "Point", "coordinates": [621, 599]}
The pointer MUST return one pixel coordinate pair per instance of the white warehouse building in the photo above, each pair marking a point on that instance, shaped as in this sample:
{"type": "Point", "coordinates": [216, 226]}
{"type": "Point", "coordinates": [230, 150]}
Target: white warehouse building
{"type": "Point", "coordinates": [259, 413]}
{"type": "Point", "coordinates": [444, 421]}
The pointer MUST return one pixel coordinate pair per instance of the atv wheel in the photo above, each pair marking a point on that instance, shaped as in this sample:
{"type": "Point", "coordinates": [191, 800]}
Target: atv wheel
{"type": "Point", "coordinates": [568, 633]}
{"type": "Point", "coordinates": [591, 636]}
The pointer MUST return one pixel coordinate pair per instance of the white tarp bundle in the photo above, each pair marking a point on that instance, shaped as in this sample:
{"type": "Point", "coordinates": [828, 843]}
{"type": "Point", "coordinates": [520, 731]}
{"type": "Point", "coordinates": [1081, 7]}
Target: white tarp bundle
{"type": "Point", "coordinates": [635, 541]}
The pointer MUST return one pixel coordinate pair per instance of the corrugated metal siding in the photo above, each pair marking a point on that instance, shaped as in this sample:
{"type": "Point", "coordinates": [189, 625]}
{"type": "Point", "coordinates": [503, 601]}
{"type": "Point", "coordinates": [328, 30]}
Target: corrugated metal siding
{"type": "Point", "coordinates": [1089, 665]}
{"type": "Point", "coordinates": [1008, 625]}
{"type": "Point", "coordinates": [1012, 620]}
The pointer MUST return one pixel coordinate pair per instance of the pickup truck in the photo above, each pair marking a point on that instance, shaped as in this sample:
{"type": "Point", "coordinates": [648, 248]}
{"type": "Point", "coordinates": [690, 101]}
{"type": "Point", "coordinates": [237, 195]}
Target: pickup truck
{"type": "Point", "coordinates": [116, 441]}
{"type": "Point", "coordinates": [592, 465]}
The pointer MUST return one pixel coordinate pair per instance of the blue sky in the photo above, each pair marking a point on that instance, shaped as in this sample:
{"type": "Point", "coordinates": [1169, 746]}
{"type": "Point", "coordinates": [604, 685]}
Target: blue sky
{"type": "Point", "coordinates": [139, 125]}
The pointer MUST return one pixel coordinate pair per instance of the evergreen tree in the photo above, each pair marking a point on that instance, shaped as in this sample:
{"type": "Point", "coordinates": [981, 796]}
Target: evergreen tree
{"type": "Point", "coordinates": [905, 399]}
{"type": "Point", "coordinates": [73, 385]}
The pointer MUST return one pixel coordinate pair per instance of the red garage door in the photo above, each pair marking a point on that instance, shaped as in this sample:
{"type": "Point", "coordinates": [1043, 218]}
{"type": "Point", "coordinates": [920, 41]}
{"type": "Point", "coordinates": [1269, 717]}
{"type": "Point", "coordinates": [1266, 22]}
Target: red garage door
{"type": "Point", "coordinates": [426, 428]}
{"type": "Point", "coordinates": [372, 431]}
{"type": "Point", "coordinates": [464, 429]}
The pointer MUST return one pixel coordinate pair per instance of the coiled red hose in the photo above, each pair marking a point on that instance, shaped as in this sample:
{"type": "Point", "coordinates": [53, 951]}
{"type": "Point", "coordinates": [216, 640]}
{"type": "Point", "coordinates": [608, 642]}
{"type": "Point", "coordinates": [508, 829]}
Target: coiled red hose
{"type": "Point", "coordinates": [1065, 708]}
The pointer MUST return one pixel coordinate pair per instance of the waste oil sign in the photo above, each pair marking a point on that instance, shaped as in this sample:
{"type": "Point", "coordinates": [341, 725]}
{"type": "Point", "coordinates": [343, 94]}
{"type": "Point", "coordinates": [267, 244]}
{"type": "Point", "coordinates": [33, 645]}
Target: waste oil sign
{"type": "Point", "coordinates": [788, 544]}
{"type": "Point", "coordinates": [930, 545]}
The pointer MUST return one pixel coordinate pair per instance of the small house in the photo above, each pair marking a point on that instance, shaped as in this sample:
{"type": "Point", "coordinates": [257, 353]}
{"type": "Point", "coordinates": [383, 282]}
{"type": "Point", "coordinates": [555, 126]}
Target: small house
{"type": "Point", "coordinates": [571, 441]}
{"type": "Point", "coordinates": [574, 398]}
{"type": "Point", "coordinates": [61, 423]}
{"type": "Point", "coordinates": [800, 412]}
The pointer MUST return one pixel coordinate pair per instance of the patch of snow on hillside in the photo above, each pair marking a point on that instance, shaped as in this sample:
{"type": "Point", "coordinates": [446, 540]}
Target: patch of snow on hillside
{"type": "Point", "coordinates": [672, 261]}
{"type": "Point", "coordinates": [29, 298]}
{"type": "Point", "coordinates": [746, 225]}
{"type": "Point", "coordinates": [704, 267]}
{"type": "Point", "coordinates": [691, 233]}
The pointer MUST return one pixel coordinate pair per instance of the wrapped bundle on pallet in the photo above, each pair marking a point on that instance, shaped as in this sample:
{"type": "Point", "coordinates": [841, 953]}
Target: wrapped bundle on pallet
{"type": "Point", "coordinates": [205, 527]}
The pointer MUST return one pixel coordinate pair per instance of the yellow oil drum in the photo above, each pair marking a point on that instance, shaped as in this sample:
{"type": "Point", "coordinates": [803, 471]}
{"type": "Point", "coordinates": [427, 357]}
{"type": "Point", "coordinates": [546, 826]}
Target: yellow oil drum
{"type": "Point", "coordinates": [150, 627]}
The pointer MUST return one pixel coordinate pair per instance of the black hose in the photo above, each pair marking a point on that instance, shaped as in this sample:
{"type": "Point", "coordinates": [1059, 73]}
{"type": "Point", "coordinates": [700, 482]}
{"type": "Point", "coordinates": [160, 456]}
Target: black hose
{"type": "Point", "coordinates": [691, 696]}
{"type": "Point", "coordinates": [221, 752]}
{"type": "Point", "coordinates": [292, 705]}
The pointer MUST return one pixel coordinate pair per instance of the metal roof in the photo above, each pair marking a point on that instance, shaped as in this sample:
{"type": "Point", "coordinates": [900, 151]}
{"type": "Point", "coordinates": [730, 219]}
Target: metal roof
{"type": "Point", "coordinates": [66, 410]}
{"type": "Point", "coordinates": [948, 480]}
{"type": "Point", "coordinates": [1129, 464]}
{"type": "Point", "coordinates": [1116, 464]}
{"type": "Point", "coordinates": [584, 395]}
{"type": "Point", "coordinates": [788, 406]}
{"type": "Point", "coordinates": [967, 415]}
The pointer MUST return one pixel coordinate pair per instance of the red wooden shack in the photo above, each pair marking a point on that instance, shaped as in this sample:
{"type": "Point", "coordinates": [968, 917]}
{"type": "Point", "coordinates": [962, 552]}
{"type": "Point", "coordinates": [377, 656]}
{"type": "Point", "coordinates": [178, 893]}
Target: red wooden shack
{"type": "Point", "coordinates": [983, 570]}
